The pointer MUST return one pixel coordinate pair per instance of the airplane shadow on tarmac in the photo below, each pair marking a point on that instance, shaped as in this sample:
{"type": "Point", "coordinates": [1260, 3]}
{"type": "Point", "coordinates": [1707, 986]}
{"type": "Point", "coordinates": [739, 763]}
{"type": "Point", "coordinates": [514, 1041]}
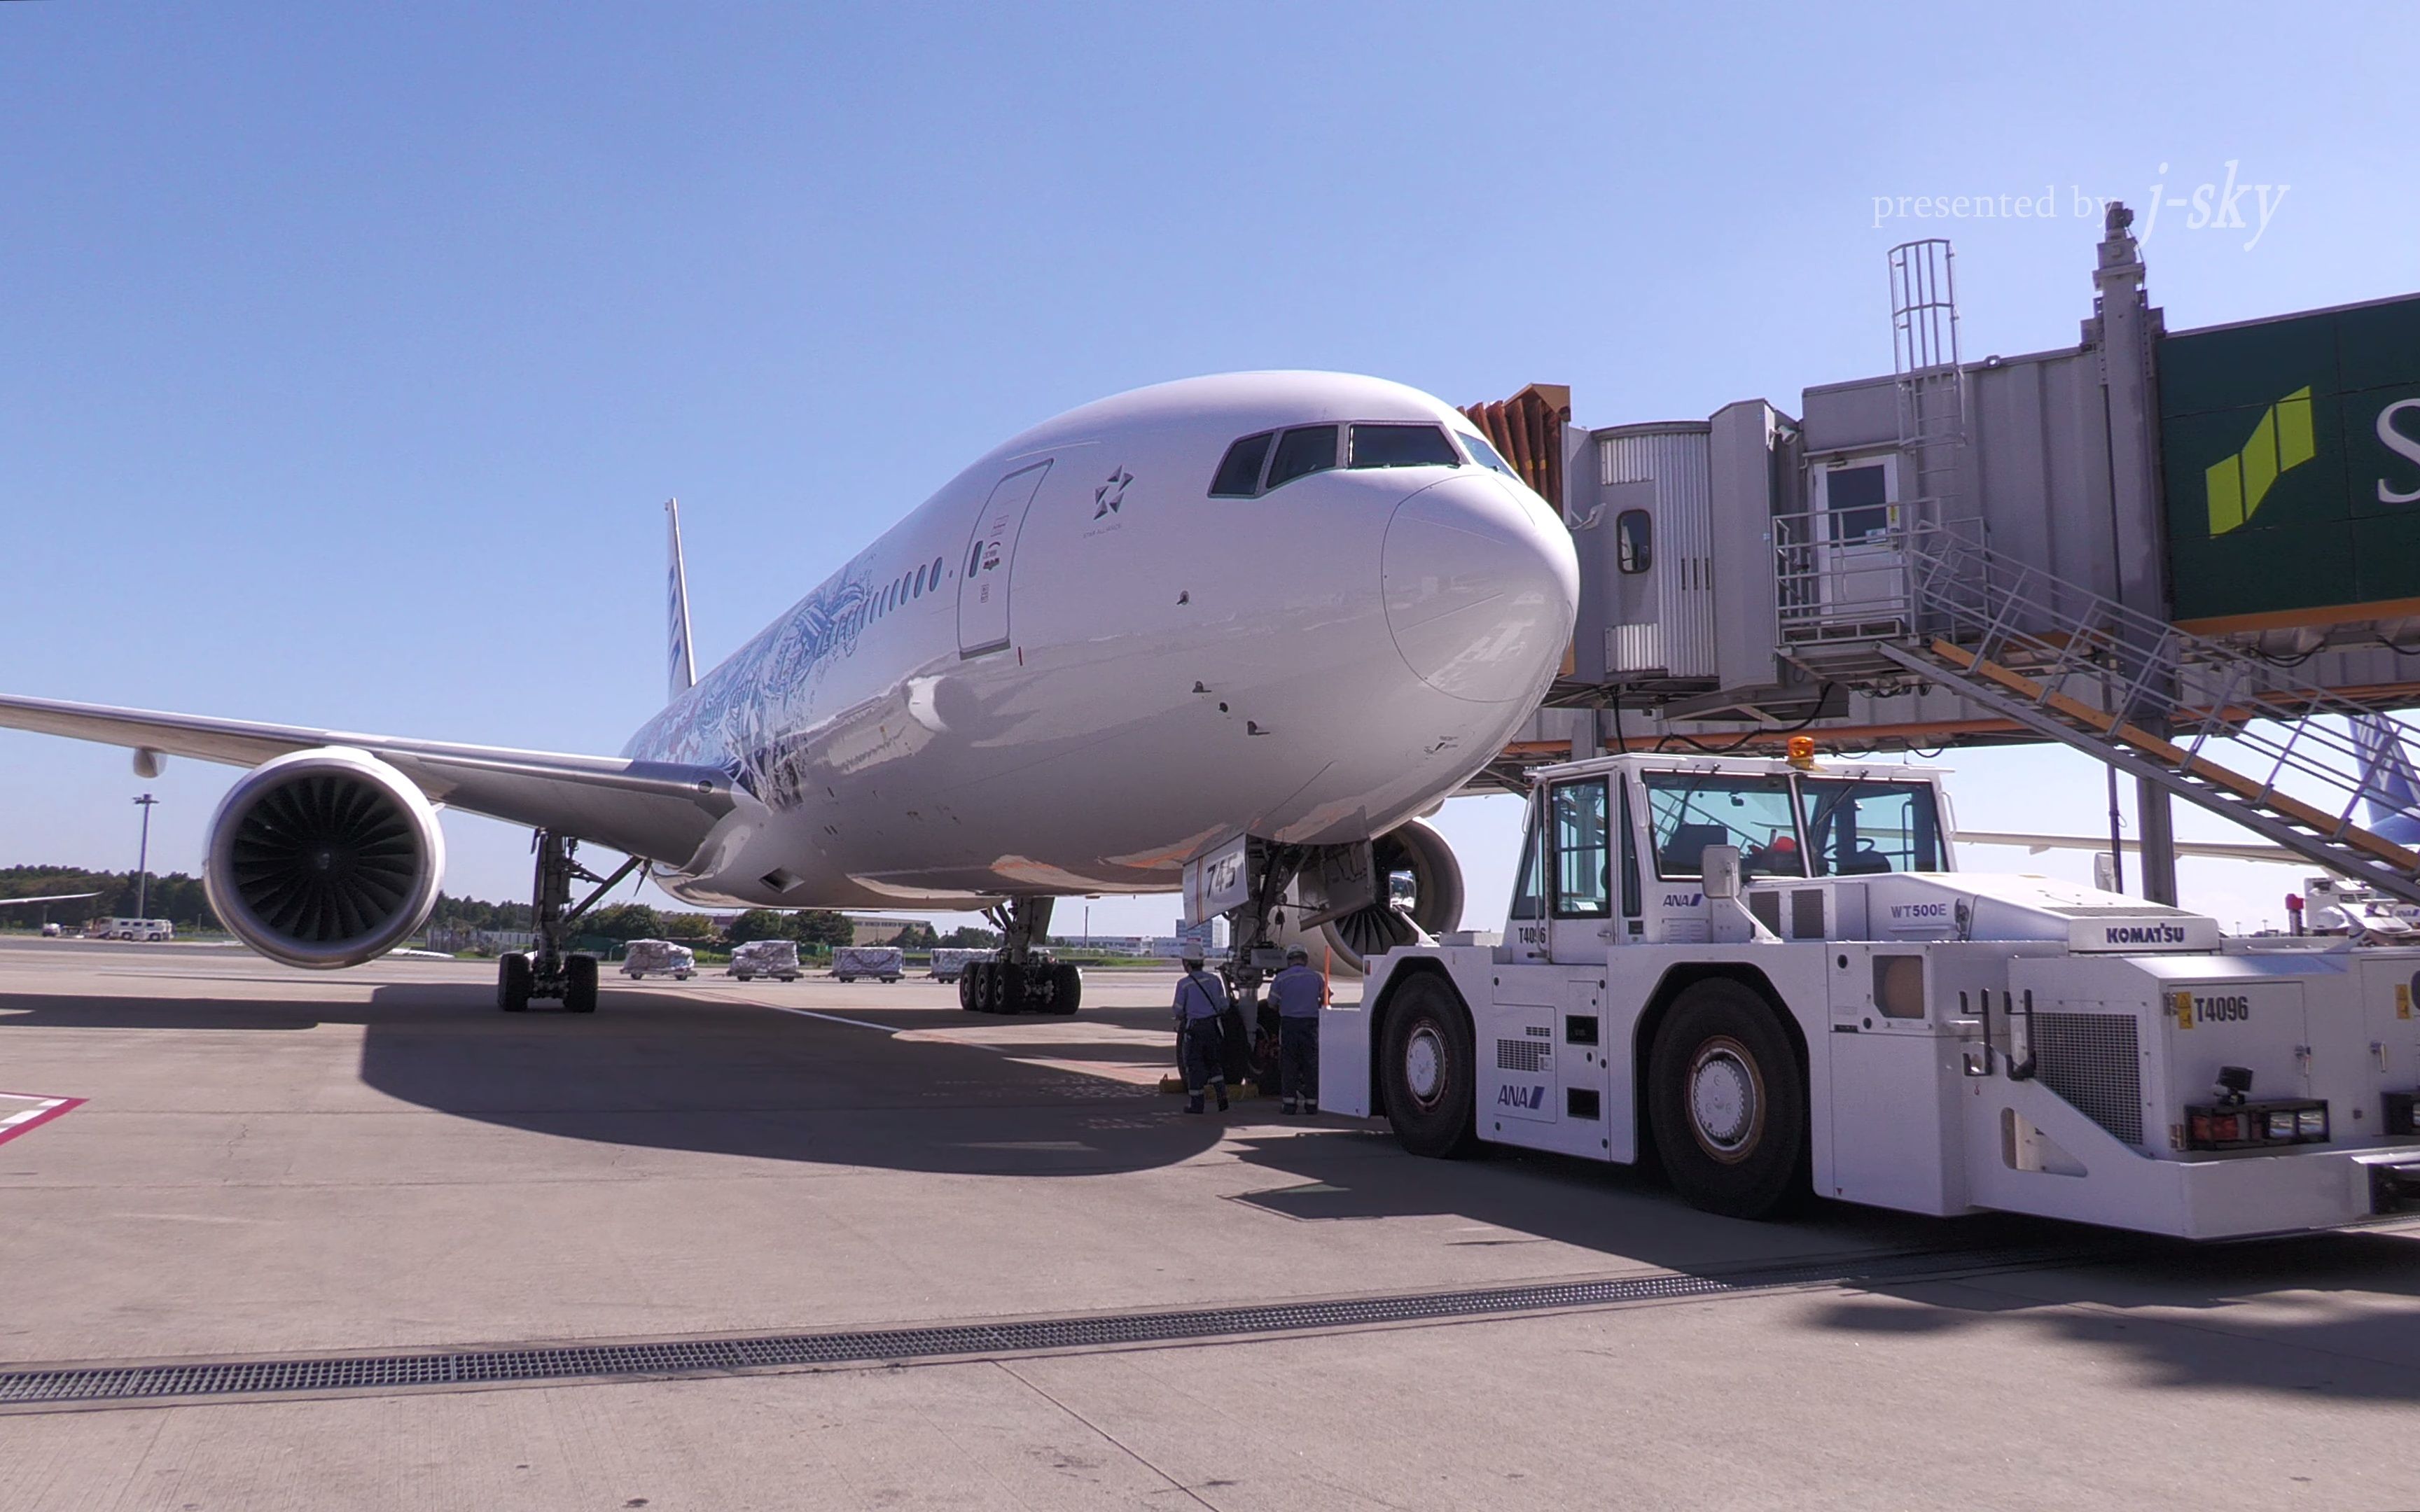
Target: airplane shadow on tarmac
{"type": "Point", "coordinates": [683, 1072]}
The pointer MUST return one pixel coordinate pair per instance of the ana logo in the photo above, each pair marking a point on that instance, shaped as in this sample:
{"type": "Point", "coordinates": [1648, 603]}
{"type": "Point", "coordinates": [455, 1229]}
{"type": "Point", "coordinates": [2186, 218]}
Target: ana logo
{"type": "Point", "coordinates": [2281, 442]}
{"type": "Point", "coordinates": [1684, 899]}
{"type": "Point", "coordinates": [1112, 494]}
{"type": "Point", "coordinates": [1530, 1098]}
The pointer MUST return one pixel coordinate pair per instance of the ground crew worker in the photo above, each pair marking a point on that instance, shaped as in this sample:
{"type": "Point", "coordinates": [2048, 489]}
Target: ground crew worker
{"type": "Point", "coordinates": [1299, 994]}
{"type": "Point", "coordinates": [1201, 1044]}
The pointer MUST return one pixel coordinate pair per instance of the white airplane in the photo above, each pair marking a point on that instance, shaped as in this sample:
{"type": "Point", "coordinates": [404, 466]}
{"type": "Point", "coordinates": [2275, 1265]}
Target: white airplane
{"type": "Point", "coordinates": [1225, 632]}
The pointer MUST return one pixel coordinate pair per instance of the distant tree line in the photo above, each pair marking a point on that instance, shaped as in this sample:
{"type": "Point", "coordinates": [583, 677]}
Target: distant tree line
{"type": "Point", "coordinates": [179, 900]}
{"type": "Point", "coordinates": [174, 897]}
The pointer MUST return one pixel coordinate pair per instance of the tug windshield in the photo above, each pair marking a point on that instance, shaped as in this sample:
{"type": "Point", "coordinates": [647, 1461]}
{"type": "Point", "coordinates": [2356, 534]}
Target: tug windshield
{"type": "Point", "coordinates": [1690, 812]}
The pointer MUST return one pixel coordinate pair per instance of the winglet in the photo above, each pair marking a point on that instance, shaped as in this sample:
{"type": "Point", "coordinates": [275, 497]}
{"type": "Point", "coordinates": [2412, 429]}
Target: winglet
{"type": "Point", "coordinates": [681, 665]}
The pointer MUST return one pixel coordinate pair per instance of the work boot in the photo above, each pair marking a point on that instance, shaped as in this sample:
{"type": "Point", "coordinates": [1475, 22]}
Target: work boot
{"type": "Point", "coordinates": [1311, 1108]}
{"type": "Point", "coordinates": [1289, 1106]}
{"type": "Point", "coordinates": [1194, 1104]}
{"type": "Point", "coordinates": [1221, 1088]}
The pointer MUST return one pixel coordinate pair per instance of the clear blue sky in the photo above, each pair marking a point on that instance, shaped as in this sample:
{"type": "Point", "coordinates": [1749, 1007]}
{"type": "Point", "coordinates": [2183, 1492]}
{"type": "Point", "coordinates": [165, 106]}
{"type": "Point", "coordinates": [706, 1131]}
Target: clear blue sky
{"type": "Point", "coordinates": [345, 352]}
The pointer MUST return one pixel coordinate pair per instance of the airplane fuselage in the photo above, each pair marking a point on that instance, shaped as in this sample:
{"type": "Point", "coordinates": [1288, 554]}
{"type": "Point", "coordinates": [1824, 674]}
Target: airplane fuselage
{"type": "Point", "coordinates": [1074, 667]}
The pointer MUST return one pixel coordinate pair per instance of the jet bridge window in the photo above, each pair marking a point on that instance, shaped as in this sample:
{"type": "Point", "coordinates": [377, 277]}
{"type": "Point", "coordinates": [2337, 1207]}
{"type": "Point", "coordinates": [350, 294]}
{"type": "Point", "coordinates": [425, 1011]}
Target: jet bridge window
{"type": "Point", "coordinates": [1303, 451]}
{"type": "Point", "coordinates": [1855, 503]}
{"type": "Point", "coordinates": [1633, 540]}
{"type": "Point", "coordinates": [1400, 446]}
{"type": "Point", "coordinates": [1689, 811]}
{"type": "Point", "coordinates": [1239, 471]}
{"type": "Point", "coordinates": [1855, 829]}
{"type": "Point", "coordinates": [1576, 813]}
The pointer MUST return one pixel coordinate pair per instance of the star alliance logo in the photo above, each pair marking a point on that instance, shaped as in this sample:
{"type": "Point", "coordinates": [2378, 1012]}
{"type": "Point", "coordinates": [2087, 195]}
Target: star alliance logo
{"type": "Point", "coordinates": [1111, 495]}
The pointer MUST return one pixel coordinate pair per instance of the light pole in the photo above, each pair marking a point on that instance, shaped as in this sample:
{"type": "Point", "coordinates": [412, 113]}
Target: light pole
{"type": "Point", "coordinates": [143, 858]}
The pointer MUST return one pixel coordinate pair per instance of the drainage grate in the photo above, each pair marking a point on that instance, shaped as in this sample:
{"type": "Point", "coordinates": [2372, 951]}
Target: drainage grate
{"type": "Point", "coordinates": [575, 1361]}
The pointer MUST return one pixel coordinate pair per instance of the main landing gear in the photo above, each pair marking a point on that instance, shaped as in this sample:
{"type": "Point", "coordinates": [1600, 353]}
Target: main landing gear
{"type": "Point", "coordinates": [1020, 980]}
{"type": "Point", "coordinates": [552, 971]}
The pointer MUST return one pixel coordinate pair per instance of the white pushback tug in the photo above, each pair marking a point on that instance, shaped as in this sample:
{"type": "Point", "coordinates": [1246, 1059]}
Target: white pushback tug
{"type": "Point", "coordinates": [1771, 973]}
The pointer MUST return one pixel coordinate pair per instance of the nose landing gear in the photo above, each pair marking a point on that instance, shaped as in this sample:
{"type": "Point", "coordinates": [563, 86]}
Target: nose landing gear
{"type": "Point", "coordinates": [1022, 979]}
{"type": "Point", "coordinates": [552, 970]}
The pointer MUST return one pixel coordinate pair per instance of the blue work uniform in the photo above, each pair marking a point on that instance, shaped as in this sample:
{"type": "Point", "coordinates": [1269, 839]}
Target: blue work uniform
{"type": "Point", "coordinates": [1201, 999]}
{"type": "Point", "coordinates": [1299, 993]}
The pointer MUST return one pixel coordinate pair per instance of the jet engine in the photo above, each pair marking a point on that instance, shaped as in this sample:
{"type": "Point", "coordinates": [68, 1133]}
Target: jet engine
{"type": "Point", "coordinates": [324, 858]}
{"type": "Point", "coordinates": [1415, 888]}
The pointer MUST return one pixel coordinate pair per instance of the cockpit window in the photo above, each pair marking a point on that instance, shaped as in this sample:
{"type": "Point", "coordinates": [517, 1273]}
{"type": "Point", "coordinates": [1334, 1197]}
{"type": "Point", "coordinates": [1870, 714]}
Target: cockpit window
{"type": "Point", "coordinates": [1302, 451]}
{"type": "Point", "coordinates": [1401, 446]}
{"type": "Point", "coordinates": [1486, 456]}
{"type": "Point", "coordinates": [1239, 475]}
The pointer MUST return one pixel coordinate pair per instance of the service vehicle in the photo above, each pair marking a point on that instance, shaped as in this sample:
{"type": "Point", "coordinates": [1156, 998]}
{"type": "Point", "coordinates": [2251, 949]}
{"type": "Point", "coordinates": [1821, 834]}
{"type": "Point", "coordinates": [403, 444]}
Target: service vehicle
{"type": "Point", "coordinates": [950, 961]}
{"type": "Point", "coordinates": [660, 957]}
{"type": "Point", "coordinates": [778, 959]}
{"type": "Point", "coordinates": [51, 930]}
{"type": "Point", "coordinates": [129, 929]}
{"type": "Point", "coordinates": [883, 962]}
{"type": "Point", "coordinates": [1770, 974]}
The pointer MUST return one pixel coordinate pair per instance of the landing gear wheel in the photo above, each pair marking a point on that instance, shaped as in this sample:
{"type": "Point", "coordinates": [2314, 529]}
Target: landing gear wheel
{"type": "Point", "coordinates": [514, 980]}
{"type": "Point", "coordinates": [579, 984]}
{"type": "Point", "coordinates": [1427, 1070]}
{"type": "Point", "coordinates": [1066, 988]}
{"type": "Point", "coordinates": [967, 988]}
{"type": "Point", "coordinates": [1728, 1104]}
{"type": "Point", "coordinates": [982, 978]}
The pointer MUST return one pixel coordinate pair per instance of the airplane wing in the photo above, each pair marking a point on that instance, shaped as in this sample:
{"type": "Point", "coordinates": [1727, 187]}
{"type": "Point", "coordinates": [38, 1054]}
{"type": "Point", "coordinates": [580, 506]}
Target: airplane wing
{"type": "Point", "coordinates": [651, 808]}
{"type": "Point", "coordinates": [53, 898]}
{"type": "Point", "coordinates": [2246, 851]}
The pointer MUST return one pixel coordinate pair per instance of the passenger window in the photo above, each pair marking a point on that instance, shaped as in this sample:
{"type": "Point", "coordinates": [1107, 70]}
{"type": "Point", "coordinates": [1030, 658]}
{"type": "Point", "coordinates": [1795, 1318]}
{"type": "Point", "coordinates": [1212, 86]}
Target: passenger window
{"type": "Point", "coordinates": [1689, 811]}
{"type": "Point", "coordinates": [920, 582]}
{"type": "Point", "coordinates": [1301, 451]}
{"type": "Point", "coordinates": [1577, 815]}
{"type": "Point", "coordinates": [1858, 828]}
{"type": "Point", "coordinates": [1240, 474]}
{"type": "Point", "coordinates": [1633, 540]}
{"type": "Point", "coordinates": [936, 572]}
{"type": "Point", "coordinates": [1400, 446]}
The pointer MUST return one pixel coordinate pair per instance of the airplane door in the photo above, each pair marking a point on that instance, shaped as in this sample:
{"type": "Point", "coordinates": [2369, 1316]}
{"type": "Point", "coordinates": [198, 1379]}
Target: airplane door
{"type": "Point", "coordinates": [991, 556]}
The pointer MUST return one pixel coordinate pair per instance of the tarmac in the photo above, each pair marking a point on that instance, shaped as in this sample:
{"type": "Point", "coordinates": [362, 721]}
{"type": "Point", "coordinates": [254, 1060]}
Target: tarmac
{"type": "Point", "coordinates": [386, 1247]}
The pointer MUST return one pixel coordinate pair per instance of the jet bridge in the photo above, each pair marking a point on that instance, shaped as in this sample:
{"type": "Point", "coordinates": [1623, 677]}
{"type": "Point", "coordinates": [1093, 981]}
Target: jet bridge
{"type": "Point", "coordinates": [2189, 555]}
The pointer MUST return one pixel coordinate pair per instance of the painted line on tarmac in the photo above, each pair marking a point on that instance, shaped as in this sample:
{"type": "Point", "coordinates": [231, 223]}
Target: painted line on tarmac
{"type": "Point", "coordinates": [831, 1018]}
{"type": "Point", "coordinates": [42, 1111]}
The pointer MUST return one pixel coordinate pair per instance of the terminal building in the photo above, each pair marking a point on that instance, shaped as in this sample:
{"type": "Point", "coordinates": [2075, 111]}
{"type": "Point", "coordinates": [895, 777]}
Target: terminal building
{"type": "Point", "coordinates": [2193, 555]}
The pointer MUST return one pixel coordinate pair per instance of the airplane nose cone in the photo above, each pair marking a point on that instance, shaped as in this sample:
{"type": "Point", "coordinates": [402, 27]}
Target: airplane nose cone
{"type": "Point", "coordinates": [1481, 585]}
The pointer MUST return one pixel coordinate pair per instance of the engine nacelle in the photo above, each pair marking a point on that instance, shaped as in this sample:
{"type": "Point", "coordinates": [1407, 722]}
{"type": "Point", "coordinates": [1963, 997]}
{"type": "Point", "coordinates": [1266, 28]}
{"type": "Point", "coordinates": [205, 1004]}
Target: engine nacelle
{"type": "Point", "coordinates": [324, 858]}
{"type": "Point", "coordinates": [1419, 891]}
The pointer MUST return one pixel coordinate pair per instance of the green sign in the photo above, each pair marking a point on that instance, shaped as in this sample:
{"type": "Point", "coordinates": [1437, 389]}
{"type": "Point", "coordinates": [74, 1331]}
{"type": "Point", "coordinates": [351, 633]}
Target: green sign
{"type": "Point", "coordinates": [2291, 450]}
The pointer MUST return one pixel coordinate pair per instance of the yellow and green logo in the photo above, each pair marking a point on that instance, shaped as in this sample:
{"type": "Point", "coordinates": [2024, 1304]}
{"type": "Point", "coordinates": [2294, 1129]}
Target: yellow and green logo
{"type": "Point", "coordinates": [2279, 443]}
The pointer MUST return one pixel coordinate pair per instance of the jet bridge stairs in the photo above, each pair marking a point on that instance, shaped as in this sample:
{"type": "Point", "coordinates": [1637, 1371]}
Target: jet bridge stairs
{"type": "Point", "coordinates": [2234, 734]}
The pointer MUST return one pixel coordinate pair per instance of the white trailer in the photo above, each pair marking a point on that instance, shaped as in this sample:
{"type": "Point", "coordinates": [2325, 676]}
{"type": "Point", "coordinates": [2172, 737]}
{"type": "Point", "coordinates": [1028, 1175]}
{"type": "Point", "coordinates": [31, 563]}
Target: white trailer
{"type": "Point", "coordinates": [1770, 974]}
{"type": "Point", "coordinates": [883, 962]}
